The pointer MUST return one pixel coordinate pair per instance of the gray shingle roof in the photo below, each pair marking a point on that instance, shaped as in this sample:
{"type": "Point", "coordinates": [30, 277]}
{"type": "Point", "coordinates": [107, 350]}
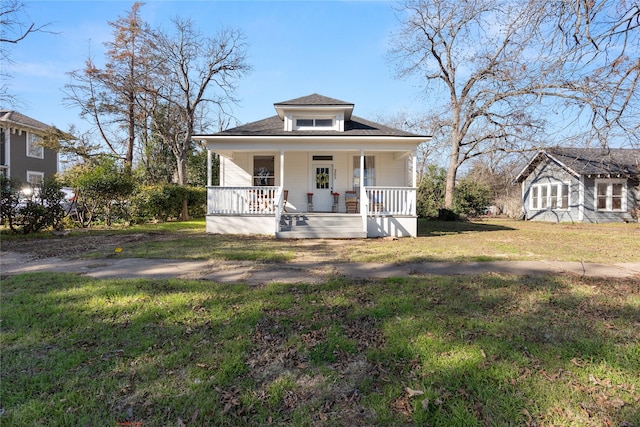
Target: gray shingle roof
{"type": "Point", "coordinates": [273, 126]}
{"type": "Point", "coordinates": [598, 161]}
{"type": "Point", "coordinates": [18, 119]}
{"type": "Point", "coordinates": [313, 99]}
{"type": "Point", "coordinates": [589, 161]}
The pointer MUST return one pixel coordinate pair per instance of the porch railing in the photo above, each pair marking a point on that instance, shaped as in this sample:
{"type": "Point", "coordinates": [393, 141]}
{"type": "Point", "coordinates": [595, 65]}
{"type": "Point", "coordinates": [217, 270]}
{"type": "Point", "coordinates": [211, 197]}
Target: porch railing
{"type": "Point", "coordinates": [390, 201]}
{"type": "Point", "coordinates": [269, 201]}
{"type": "Point", "coordinates": [244, 200]}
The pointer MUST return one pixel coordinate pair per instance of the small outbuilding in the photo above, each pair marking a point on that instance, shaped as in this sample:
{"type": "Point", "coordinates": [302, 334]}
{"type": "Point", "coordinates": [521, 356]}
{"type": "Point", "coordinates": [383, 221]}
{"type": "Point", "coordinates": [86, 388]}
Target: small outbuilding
{"type": "Point", "coordinates": [582, 185]}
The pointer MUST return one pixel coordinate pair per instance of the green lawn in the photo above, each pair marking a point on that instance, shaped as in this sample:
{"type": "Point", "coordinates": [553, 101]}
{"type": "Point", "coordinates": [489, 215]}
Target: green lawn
{"type": "Point", "coordinates": [451, 351]}
{"type": "Point", "coordinates": [488, 240]}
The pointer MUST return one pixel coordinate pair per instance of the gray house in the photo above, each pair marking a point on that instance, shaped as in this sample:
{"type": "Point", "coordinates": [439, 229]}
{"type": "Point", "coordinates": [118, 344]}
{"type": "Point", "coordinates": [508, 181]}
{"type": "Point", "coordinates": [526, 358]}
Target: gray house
{"type": "Point", "coordinates": [22, 157]}
{"type": "Point", "coordinates": [582, 185]}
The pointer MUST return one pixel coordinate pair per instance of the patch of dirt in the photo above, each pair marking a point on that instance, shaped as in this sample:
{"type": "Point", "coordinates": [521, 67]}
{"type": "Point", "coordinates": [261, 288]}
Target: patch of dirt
{"type": "Point", "coordinates": [77, 244]}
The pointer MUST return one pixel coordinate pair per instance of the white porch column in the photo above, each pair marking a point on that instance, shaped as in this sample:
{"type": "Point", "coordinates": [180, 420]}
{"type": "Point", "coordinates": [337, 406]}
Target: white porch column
{"type": "Point", "coordinates": [209, 165]}
{"type": "Point", "coordinates": [282, 169]}
{"type": "Point", "coordinates": [364, 207]}
{"type": "Point", "coordinates": [581, 199]}
{"type": "Point", "coordinates": [414, 172]}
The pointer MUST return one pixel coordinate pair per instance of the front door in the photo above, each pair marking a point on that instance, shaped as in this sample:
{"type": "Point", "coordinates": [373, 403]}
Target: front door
{"type": "Point", "coordinates": [322, 187]}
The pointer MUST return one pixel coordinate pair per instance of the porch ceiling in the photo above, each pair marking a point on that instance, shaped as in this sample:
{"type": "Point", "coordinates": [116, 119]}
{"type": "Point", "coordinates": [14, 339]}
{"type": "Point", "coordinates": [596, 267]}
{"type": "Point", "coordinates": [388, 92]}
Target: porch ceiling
{"type": "Point", "coordinates": [403, 146]}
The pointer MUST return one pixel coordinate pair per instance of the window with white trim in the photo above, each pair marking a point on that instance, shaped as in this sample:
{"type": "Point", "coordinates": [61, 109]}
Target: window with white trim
{"type": "Point", "coordinates": [611, 195]}
{"type": "Point", "coordinates": [549, 195]}
{"type": "Point", "coordinates": [263, 171]}
{"type": "Point", "coordinates": [35, 179]}
{"type": "Point", "coordinates": [34, 146]}
{"type": "Point", "coordinates": [312, 123]}
{"type": "Point", "coordinates": [369, 176]}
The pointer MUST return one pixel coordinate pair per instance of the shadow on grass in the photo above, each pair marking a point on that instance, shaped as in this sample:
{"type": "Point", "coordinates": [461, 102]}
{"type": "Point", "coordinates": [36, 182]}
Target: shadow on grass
{"type": "Point", "coordinates": [482, 350]}
{"type": "Point", "coordinates": [430, 227]}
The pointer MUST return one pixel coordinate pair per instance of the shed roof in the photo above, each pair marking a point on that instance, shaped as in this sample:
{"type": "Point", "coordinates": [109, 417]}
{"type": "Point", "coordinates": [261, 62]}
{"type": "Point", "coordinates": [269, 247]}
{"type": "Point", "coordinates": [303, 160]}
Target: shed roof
{"type": "Point", "coordinates": [589, 161]}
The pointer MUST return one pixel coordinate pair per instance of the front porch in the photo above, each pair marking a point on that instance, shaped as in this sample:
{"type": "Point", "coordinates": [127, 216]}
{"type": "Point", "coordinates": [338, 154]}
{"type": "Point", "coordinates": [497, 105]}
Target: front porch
{"type": "Point", "coordinates": [381, 211]}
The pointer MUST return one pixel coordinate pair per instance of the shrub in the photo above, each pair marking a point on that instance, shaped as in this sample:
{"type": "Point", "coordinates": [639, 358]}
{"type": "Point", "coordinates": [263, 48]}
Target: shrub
{"type": "Point", "coordinates": [430, 197]}
{"type": "Point", "coordinates": [447, 215]}
{"type": "Point", "coordinates": [40, 209]}
{"type": "Point", "coordinates": [104, 189]}
{"type": "Point", "coordinates": [471, 197]}
{"type": "Point", "coordinates": [162, 202]}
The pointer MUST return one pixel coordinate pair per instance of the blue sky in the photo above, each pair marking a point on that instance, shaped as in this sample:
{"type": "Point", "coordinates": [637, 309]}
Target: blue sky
{"type": "Point", "coordinates": [296, 48]}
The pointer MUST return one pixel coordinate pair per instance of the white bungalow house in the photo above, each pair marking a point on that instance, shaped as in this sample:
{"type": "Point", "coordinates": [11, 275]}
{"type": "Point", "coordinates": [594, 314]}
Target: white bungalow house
{"type": "Point", "coordinates": [313, 170]}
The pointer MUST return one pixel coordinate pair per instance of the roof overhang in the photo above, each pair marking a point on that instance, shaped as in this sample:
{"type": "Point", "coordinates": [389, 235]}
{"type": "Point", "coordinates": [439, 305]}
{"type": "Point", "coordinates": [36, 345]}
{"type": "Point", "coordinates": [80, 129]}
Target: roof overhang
{"type": "Point", "coordinates": [284, 109]}
{"type": "Point", "coordinates": [537, 159]}
{"type": "Point", "coordinates": [227, 145]}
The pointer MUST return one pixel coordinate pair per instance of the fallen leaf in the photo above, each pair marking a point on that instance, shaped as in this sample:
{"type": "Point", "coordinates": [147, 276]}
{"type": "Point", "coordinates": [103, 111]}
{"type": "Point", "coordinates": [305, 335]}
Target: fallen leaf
{"type": "Point", "coordinates": [425, 404]}
{"type": "Point", "coordinates": [616, 403]}
{"type": "Point", "coordinates": [577, 362]}
{"type": "Point", "coordinates": [413, 392]}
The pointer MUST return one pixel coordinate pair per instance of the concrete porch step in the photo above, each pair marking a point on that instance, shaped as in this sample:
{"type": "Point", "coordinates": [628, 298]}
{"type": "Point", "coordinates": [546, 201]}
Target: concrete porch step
{"type": "Point", "coordinates": [321, 225]}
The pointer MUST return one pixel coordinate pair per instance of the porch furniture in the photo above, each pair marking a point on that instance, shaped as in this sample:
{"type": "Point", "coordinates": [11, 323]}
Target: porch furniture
{"type": "Point", "coordinates": [309, 202]}
{"type": "Point", "coordinates": [351, 202]}
{"type": "Point", "coordinates": [377, 204]}
{"type": "Point", "coordinates": [285, 196]}
{"type": "Point", "coordinates": [261, 201]}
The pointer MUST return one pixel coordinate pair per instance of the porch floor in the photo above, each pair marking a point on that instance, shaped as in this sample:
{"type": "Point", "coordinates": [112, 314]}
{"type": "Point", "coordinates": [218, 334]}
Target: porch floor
{"type": "Point", "coordinates": [319, 225]}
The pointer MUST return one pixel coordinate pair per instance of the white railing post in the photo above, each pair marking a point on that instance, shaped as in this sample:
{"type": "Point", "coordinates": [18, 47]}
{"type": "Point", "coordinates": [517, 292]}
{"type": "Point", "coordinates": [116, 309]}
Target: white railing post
{"type": "Point", "coordinates": [391, 201]}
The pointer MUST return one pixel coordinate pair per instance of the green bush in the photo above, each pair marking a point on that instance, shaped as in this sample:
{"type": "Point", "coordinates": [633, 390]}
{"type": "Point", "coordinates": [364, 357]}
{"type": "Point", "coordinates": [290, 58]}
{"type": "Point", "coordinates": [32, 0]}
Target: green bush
{"type": "Point", "coordinates": [430, 197]}
{"type": "Point", "coordinates": [104, 189]}
{"type": "Point", "coordinates": [471, 197]}
{"type": "Point", "coordinates": [163, 202]}
{"type": "Point", "coordinates": [197, 199]}
{"type": "Point", "coordinates": [40, 209]}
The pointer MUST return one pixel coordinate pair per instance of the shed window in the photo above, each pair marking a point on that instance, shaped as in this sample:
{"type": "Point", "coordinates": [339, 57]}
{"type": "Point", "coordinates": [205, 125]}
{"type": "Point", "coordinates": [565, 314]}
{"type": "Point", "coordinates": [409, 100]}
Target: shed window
{"type": "Point", "coordinates": [611, 195]}
{"type": "Point", "coordinates": [551, 195]}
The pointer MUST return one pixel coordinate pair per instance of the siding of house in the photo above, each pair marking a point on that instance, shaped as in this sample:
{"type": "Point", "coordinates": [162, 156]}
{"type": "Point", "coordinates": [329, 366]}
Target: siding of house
{"type": "Point", "coordinates": [391, 172]}
{"type": "Point", "coordinates": [296, 180]}
{"type": "Point", "coordinates": [18, 161]}
{"type": "Point", "coordinates": [594, 216]}
{"type": "Point", "coordinates": [550, 173]}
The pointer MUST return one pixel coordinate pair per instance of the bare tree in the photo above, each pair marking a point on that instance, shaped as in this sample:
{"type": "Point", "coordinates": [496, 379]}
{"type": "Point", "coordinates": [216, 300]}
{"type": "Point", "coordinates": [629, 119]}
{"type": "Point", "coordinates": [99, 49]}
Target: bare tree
{"type": "Point", "coordinates": [428, 153]}
{"type": "Point", "coordinates": [196, 71]}
{"type": "Point", "coordinates": [109, 97]}
{"type": "Point", "coordinates": [602, 40]}
{"type": "Point", "coordinates": [503, 75]}
{"type": "Point", "coordinates": [15, 26]}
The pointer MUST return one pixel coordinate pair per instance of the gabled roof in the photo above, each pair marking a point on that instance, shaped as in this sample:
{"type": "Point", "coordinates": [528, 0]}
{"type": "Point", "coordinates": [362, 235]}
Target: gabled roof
{"type": "Point", "coordinates": [314, 102]}
{"type": "Point", "coordinates": [353, 126]}
{"type": "Point", "coordinates": [314, 99]}
{"type": "Point", "coordinates": [612, 162]}
{"type": "Point", "coordinates": [272, 126]}
{"type": "Point", "coordinates": [18, 120]}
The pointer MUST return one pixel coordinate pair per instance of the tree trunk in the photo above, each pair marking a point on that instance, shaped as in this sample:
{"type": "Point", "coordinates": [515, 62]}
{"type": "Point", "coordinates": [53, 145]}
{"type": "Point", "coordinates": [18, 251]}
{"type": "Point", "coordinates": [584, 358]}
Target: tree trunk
{"type": "Point", "coordinates": [452, 171]}
{"type": "Point", "coordinates": [182, 181]}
